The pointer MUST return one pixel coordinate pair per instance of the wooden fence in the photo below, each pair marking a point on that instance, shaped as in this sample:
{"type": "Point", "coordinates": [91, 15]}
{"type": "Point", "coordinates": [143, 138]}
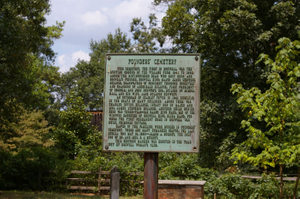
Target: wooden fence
{"type": "Point", "coordinates": [102, 180]}
{"type": "Point", "coordinates": [97, 181]}
{"type": "Point", "coordinates": [93, 183]}
{"type": "Point", "coordinates": [99, 174]}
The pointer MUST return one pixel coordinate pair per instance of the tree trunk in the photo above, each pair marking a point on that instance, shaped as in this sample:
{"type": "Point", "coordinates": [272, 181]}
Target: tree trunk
{"type": "Point", "coordinates": [281, 181]}
{"type": "Point", "coordinates": [296, 184]}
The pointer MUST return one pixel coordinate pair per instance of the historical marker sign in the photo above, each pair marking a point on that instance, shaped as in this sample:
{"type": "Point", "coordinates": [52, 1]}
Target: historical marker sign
{"type": "Point", "coordinates": [151, 102]}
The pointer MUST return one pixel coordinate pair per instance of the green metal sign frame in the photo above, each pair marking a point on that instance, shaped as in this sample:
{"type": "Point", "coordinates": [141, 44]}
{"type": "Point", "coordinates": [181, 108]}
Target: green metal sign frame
{"type": "Point", "coordinates": [151, 102]}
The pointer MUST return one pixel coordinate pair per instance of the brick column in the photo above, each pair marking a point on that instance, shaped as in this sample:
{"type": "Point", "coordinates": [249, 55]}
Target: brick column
{"type": "Point", "coordinates": [180, 189]}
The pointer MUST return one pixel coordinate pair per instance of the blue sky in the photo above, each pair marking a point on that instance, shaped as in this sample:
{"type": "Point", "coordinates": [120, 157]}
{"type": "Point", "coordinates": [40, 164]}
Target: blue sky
{"type": "Point", "coordinates": [92, 19]}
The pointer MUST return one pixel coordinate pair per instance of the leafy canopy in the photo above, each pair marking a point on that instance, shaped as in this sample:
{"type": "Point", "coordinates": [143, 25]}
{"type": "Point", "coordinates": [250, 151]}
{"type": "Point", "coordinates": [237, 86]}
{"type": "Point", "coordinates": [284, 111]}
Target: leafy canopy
{"type": "Point", "coordinates": [74, 129]}
{"type": "Point", "coordinates": [278, 143]}
{"type": "Point", "coordinates": [277, 108]}
{"type": "Point", "coordinates": [26, 74]}
{"type": "Point", "coordinates": [230, 35]}
{"type": "Point", "coordinates": [30, 131]}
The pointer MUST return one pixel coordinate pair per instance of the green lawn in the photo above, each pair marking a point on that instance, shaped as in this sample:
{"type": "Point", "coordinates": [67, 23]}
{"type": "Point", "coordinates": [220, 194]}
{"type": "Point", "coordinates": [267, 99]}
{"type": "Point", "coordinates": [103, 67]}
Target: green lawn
{"type": "Point", "coordinates": [32, 195]}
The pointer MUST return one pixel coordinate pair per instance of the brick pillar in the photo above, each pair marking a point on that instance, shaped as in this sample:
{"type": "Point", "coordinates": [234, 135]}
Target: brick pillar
{"type": "Point", "coordinates": [180, 189]}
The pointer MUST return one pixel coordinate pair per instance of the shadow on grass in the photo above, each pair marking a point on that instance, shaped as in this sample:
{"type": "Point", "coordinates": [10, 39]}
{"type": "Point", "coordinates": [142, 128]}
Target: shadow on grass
{"type": "Point", "coordinates": [33, 195]}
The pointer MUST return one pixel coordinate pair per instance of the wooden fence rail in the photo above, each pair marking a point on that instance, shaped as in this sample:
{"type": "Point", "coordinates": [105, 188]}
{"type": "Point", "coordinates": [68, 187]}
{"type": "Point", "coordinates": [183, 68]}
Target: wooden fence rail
{"type": "Point", "coordinates": [103, 177]}
{"type": "Point", "coordinates": [98, 180]}
{"type": "Point", "coordinates": [278, 178]}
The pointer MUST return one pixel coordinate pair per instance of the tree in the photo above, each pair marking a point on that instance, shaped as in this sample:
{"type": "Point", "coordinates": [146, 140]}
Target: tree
{"type": "Point", "coordinates": [277, 108]}
{"type": "Point", "coordinates": [26, 73]}
{"type": "Point", "coordinates": [147, 37]}
{"type": "Point", "coordinates": [230, 35]}
{"type": "Point", "coordinates": [74, 129]}
{"type": "Point", "coordinates": [31, 131]}
{"type": "Point", "coordinates": [86, 79]}
{"type": "Point", "coordinates": [22, 30]}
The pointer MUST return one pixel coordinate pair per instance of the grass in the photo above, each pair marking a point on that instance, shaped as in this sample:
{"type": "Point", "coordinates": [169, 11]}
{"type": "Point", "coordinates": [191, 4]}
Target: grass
{"type": "Point", "coordinates": [45, 195]}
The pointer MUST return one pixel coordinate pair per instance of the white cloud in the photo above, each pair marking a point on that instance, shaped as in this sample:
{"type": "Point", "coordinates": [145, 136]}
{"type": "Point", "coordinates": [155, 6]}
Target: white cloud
{"type": "Point", "coordinates": [80, 55]}
{"type": "Point", "coordinates": [62, 63]}
{"type": "Point", "coordinates": [94, 18]}
{"type": "Point", "coordinates": [61, 60]}
{"type": "Point", "coordinates": [126, 10]}
{"type": "Point", "coordinates": [66, 61]}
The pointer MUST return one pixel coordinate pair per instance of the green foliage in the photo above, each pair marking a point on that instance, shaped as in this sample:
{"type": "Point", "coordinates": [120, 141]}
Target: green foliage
{"type": "Point", "coordinates": [30, 131]}
{"type": "Point", "coordinates": [209, 111]}
{"type": "Point", "coordinates": [43, 78]}
{"type": "Point", "coordinates": [146, 37]}
{"type": "Point", "coordinates": [276, 107]}
{"type": "Point", "coordinates": [38, 80]}
{"type": "Point", "coordinates": [267, 187]}
{"type": "Point", "coordinates": [277, 144]}
{"type": "Point", "coordinates": [20, 171]}
{"type": "Point", "coordinates": [22, 29]}
{"type": "Point", "coordinates": [224, 157]}
{"type": "Point", "coordinates": [26, 74]}
{"type": "Point", "coordinates": [74, 129]}
{"type": "Point", "coordinates": [230, 185]}
{"type": "Point", "coordinates": [27, 80]}
{"type": "Point", "coordinates": [230, 35]}
{"type": "Point", "coordinates": [175, 166]}
{"type": "Point", "coordinates": [75, 118]}
{"type": "Point", "coordinates": [127, 162]}
{"type": "Point", "coordinates": [183, 167]}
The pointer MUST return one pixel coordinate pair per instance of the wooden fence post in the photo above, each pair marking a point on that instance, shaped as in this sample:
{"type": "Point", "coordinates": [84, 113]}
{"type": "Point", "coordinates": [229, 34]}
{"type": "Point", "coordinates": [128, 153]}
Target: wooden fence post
{"type": "Point", "coordinates": [99, 181]}
{"type": "Point", "coordinates": [114, 183]}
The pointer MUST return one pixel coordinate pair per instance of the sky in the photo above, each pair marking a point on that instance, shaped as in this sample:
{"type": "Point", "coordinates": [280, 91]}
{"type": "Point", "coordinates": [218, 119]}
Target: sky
{"type": "Point", "coordinates": [92, 19]}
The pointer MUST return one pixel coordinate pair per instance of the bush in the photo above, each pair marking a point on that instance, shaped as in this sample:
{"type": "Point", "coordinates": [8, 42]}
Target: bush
{"type": "Point", "coordinates": [183, 167]}
{"type": "Point", "coordinates": [230, 185]}
{"type": "Point", "coordinates": [21, 171]}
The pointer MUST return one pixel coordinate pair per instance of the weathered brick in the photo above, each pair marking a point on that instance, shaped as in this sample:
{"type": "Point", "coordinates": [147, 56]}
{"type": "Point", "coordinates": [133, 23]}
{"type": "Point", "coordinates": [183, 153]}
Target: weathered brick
{"type": "Point", "coordinates": [181, 190]}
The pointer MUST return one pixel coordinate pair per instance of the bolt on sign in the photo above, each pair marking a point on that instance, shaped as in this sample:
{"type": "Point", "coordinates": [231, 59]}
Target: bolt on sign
{"type": "Point", "coordinates": [151, 102]}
